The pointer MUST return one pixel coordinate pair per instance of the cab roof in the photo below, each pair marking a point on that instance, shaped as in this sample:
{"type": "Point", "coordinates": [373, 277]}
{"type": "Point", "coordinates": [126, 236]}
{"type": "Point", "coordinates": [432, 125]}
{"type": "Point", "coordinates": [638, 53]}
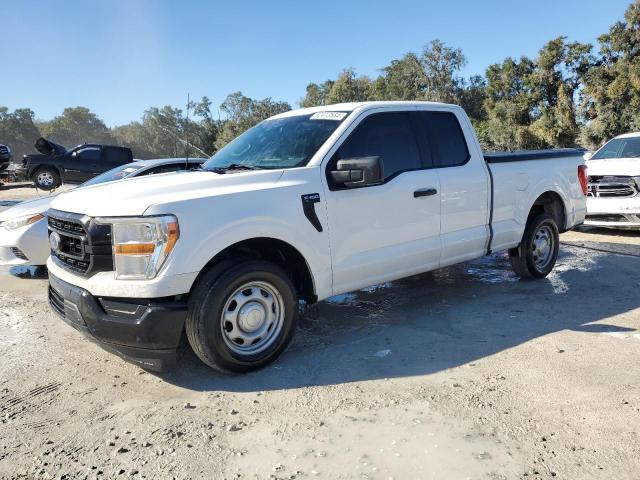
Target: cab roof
{"type": "Point", "coordinates": [351, 106]}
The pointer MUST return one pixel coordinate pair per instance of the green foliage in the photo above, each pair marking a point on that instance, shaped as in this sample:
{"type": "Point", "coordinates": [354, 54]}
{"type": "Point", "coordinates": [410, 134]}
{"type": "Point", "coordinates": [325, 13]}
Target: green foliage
{"type": "Point", "coordinates": [611, 93]}
{"type": "Point", "coordinates": [403, 79]}
{"type": "Point", "coordinates": [243, 113]}
{"type": "Point", "coordinates": [349, 87]}
{"type": "Point", "coordinates": [18, 130]}
{"type": "Point", "coordinates": [76, 126]}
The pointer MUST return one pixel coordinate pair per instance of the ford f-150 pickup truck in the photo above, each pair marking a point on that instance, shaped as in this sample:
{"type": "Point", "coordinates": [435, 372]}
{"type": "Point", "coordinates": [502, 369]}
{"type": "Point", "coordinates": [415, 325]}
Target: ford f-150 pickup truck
{"type": "Point", "coordinates": [307, 204]}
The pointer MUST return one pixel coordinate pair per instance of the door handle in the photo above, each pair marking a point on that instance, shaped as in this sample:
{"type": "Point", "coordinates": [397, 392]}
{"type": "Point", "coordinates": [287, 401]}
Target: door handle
{"type": "Point", "coordinates": [425, 192]}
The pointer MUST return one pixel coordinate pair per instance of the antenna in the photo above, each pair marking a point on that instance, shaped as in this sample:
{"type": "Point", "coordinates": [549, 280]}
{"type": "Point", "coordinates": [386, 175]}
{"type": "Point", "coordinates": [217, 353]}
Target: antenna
{"type": "Point", "coordinates": [186, 134]}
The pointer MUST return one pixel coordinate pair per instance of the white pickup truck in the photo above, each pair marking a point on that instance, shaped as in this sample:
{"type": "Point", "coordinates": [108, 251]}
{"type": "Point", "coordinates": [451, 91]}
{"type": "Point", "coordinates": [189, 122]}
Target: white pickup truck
{"type": "Point", "coordinates": [308, 204]}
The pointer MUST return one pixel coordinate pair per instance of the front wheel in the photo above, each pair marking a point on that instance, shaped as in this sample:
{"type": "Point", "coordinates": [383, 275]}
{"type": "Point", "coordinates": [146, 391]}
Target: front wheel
{"type": "Point", "coordinates": [242, 318]}
{"type": "Point", "coordinates": [46, 178]}
{"type": "Point", "coordinates": [537, 254]}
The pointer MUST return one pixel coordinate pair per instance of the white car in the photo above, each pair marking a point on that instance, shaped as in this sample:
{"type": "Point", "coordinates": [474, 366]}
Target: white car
{"type": "Point", "coordinates": [614, 184]}
{"type": "Point", "coordinates": [305, 205]}
{"type": "Point", "coordinates": [23, 228]}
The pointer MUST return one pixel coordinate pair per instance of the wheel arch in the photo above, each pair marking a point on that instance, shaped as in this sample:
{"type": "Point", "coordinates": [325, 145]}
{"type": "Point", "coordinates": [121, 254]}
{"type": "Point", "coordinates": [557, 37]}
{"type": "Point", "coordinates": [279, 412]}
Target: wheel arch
{"type": "Point", "coordinates": [36, 168]}
{"type": "Point", "coordinates": [274, 250]}
{"type": "Point", "coordinates": [550, 202]}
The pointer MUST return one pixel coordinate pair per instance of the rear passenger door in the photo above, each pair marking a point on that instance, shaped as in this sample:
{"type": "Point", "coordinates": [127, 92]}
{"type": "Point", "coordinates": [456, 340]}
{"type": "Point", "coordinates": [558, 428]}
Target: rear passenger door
{"type": "Point", "coordinates": [464, 184]}
{"type": "Point", "coordinates": [390, 230]}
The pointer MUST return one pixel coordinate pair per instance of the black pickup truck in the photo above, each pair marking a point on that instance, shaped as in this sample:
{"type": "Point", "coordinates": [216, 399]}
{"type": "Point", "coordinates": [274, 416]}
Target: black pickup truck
{"type": "Point", "coordinates": [55, 164]}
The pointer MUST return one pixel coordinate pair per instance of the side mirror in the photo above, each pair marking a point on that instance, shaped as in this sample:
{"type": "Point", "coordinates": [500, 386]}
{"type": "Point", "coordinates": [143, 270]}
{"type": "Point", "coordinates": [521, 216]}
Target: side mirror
{"type": "Point", "coordinates": [357, 172]}
{"type": "Point", "coordinates": [587, 156]}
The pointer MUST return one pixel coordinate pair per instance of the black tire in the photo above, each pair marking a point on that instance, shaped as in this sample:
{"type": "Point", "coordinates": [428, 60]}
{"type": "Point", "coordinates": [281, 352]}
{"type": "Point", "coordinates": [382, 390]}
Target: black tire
{"type": "Point", "coordinates": [524, 259]}
{"type": "Point", "coordinates": [46, 178]}
{"type": "Point", "coordinates": [204, 324]}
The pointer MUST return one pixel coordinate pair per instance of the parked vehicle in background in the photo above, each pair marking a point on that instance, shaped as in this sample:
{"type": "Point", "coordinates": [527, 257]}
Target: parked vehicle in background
{"type": "Point", "coordinates": [23, 228]}
{"type": "Point", "coordinates": [5, 156]}
{"type": "Point", "coordinates": [307, 204]}
{"type": "Point", "coordinates": [55, 164]}
{"type": "Point", "coordinates": [614, 184]}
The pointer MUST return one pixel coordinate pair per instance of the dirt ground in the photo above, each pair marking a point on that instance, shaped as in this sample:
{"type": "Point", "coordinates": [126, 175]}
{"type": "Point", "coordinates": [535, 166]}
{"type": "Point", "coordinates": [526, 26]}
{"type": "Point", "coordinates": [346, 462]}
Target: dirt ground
{"type": "Point", "coordinates": [462, 373]}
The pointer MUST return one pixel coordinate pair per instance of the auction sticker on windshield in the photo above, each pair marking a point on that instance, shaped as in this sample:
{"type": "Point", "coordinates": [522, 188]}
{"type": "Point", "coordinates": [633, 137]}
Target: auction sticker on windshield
{"type": "Point", "coordinates": [328, 116]}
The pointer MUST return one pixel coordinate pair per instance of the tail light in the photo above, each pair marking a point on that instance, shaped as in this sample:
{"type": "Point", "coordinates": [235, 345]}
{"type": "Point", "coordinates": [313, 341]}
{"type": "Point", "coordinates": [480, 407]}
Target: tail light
{"type": "Point", "coordinates": [582, 177]}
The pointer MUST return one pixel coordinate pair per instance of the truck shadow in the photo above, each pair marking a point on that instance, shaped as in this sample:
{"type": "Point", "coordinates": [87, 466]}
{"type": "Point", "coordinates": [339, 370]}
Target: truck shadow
{"type": "Point", "coordinates": [431, 322]}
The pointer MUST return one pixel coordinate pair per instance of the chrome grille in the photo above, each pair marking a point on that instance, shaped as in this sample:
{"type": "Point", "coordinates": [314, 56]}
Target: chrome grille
{"type": "Point", "coordinates": [84, 246]}
{"type": "Point", "coordinates": [612, 187]}
{"type": "Point", "coordinates": [73, 239]}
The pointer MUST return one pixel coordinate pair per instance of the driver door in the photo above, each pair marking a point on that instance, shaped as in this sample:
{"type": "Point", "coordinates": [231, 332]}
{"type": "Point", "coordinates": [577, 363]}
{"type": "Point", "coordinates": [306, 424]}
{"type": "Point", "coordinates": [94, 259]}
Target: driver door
{"type": "Point", "coordinates": [83, 165]}
{"type": "Point", "coordinates": [390, 230]}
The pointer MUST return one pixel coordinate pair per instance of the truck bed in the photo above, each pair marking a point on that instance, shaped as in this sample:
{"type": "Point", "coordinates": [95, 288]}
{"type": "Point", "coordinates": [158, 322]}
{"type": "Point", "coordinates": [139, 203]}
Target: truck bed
{"type": "Point", "coordinates": [524, 155]}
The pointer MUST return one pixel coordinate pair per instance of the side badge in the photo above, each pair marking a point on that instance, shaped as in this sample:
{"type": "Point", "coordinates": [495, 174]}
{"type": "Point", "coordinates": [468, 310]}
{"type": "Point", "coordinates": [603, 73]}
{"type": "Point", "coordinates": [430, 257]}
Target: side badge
{"type": "Point", "coordinates": [308, 207]}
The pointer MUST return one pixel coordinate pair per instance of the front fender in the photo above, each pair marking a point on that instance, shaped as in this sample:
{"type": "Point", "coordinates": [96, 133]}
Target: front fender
{"type": "Point", "coordinates": [209, 225]}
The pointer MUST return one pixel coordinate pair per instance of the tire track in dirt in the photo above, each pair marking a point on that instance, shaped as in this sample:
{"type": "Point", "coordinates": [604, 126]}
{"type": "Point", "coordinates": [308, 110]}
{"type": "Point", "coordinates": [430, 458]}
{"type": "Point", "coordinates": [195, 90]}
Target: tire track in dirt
{"type": "Point", "coordinates": [35, 400]}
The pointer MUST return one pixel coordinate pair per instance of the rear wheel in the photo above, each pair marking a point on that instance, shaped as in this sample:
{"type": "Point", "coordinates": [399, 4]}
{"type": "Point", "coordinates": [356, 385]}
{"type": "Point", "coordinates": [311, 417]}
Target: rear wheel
{"type": "Point", "coordinates": [537, 254]}
{"type": "Point", "coordinates": [242, 318]}
{"type": "Point", "coordinates": [46, 178]}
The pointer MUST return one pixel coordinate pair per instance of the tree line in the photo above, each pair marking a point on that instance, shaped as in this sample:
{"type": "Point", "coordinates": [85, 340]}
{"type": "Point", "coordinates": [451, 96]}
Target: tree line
{"type": "Point", "coordinates": [571, 94]}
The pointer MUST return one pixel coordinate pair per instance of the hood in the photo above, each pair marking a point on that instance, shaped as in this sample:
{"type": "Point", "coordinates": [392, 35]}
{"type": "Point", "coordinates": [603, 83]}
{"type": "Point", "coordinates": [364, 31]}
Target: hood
{"type": "Point", "coordinates": [133, 196]}
{"type": "Point", "coordinates": [47, 147]}
{"type": "Point", "coordinates": [30, 207]}
{"type": "Point", "coordinates": [617, 167]}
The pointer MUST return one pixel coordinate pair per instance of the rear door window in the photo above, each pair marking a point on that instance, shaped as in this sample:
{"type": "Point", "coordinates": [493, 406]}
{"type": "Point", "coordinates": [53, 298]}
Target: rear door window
{"type": "Point", "coordinates": [441, 139]}
{"type": "Point", "coordinates": [386, 135]}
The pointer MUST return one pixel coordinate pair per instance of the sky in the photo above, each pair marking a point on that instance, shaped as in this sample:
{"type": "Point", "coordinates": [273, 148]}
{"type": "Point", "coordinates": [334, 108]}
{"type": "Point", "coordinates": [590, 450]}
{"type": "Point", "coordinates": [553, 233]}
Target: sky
{"type": "Point", "coordinates": [119, 57]}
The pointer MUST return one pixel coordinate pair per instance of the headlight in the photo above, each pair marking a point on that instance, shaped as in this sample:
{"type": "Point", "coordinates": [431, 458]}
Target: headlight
{"type": "Point", "coordinates": [141, 244]}
{"type": "Point", "coordinates": [18, 222]}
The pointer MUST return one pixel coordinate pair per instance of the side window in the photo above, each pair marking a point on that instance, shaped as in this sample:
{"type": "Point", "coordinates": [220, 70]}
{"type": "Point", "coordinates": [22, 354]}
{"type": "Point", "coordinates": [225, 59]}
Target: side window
{"type": "Point", "coordinates": [88, 154]}
{"type": "Point", "coordinates": [385, 135]}
{"type": "Point", "coordinates": [441, 135]}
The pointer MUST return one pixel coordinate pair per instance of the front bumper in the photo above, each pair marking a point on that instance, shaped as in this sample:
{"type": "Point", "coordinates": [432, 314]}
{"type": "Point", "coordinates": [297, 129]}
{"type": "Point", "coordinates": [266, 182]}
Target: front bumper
{"type": "Point", "coordinates": [623, 213]}
{"type": "Point", "coordinates": [146, 332]}
{"type": "Point", "coordinates": [26, 245]}
{"type": "Point", "coordinates": [16, 171]}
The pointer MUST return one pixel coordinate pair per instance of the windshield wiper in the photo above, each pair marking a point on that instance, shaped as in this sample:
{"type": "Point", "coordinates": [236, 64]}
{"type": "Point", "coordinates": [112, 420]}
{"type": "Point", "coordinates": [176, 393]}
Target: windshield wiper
{"type": "Point", "coordinates": [240, 166]}
{"type": "Point", "coordinates": [231, 167]}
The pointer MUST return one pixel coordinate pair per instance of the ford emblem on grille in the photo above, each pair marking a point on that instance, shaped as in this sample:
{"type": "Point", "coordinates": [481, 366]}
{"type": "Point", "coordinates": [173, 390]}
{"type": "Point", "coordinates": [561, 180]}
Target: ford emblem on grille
{"type": "Point", "coordinates": [54, 241]}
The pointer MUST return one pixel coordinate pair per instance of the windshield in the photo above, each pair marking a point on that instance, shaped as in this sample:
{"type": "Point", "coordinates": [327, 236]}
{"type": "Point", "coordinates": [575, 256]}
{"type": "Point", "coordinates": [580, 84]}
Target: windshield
{"type": "Point", "coordinates": [278, 143]}
{"type": "Point", "coordinates": [619, 148]}
{"type": "Point", "coordinates": [117, 173]}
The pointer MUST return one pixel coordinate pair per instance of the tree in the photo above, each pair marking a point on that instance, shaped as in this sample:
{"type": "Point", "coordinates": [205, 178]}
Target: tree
{"type": "Point", "coordinates": [556, 82]}
{"type": "Point", "coordinates": [611, 93]}
{"type": "Point", "coordinates": [349, 87]}
{"type": "Point", "coordinates": [245, 112]}
{"type": "Point", "coordinates": [471, 96]}
{"type": "Point", "coordinates": [316, 94]}
{"type": "Point", "coordinates": [18, 130]}
{"type": "Point", "coordinates": [210, 128]}
{"type": "Point", "coordinates": [135, 136]}
{"type": "Point", "coordinates": [76, 126]}
{"type": "Point", "coordinates": [403, 79]}
{"type": "Point", "coordinates": [442, 66]}
{"type": "Point", "coordinates": [164, 132]}
{"type": "Point", "coordinates": [509, 104]}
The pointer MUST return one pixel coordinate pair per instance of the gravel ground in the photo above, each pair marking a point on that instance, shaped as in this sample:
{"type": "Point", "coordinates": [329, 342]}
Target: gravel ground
{"type": "Point", "coordinates": [461, 373]}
